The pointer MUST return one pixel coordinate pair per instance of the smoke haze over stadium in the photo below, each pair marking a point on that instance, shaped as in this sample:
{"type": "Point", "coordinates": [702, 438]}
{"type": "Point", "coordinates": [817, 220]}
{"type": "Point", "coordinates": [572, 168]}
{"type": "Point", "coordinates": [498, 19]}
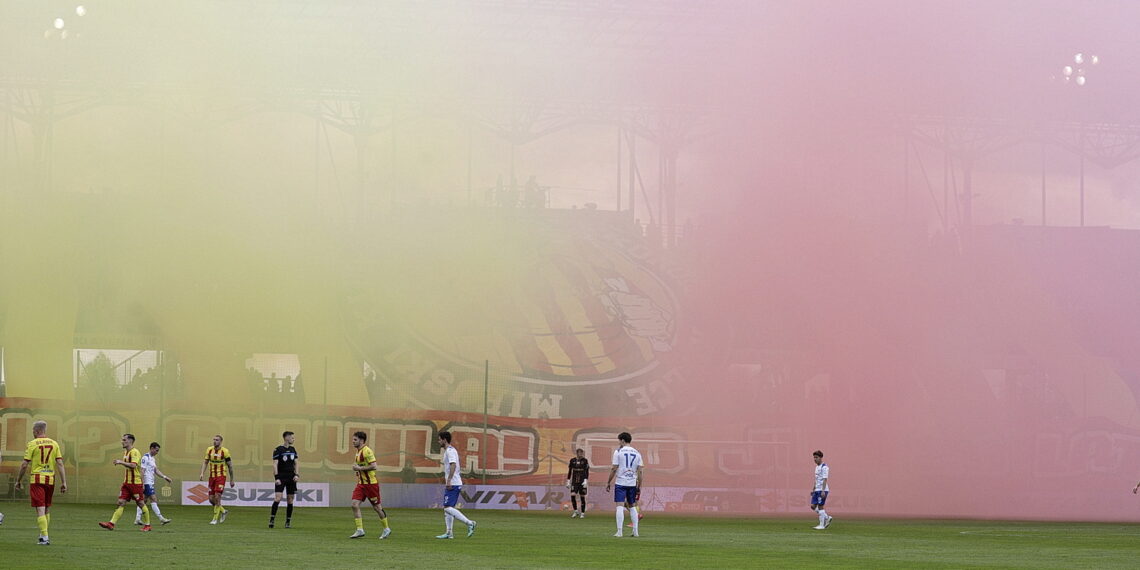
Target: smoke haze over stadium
{"type": "Point", "coordinates": [861, 227]}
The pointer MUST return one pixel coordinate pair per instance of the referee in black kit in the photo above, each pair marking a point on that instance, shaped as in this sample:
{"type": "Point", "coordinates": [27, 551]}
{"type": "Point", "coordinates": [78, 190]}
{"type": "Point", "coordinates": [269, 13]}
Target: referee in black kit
{"type": "Point", "coordinates": [285, 477]}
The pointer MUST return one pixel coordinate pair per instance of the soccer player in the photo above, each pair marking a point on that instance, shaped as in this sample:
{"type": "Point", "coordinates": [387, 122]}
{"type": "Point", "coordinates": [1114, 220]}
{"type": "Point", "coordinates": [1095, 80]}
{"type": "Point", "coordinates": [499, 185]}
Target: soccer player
{"type": "Point", "coordinates": [452, 483]}
{"type": "Point", "coordinates": [820, 490]}
{"type": "Point", "coordinates": [149, 469]}
{"type": "Point", "coordinates": [367, 486]}
{"type": "Point", "coordinates": [576, 479]}
{"type": "Point", "coordinates": [132, 487]}
{"type": "Point", "coordinates": [45, 457]}
{"type": "Point", "coordinates": [218, 460]}
{"type": "Point", "coordinates": [626, 471]}
{"type": "Point", "coordinates": [285, 477]}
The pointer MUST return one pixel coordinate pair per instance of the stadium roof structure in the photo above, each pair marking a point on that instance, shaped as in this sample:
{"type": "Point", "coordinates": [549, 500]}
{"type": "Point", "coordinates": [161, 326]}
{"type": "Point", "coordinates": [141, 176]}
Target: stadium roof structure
{"type": "Point", "coordinates": [523, 69]}
{"type": "Point", "coordinates": [968, 139]}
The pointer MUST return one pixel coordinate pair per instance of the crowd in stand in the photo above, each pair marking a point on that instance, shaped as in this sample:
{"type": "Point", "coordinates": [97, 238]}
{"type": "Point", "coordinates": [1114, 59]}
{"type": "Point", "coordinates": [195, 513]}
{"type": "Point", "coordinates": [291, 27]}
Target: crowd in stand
{"type": "Point", "coordinates": [273, 389]}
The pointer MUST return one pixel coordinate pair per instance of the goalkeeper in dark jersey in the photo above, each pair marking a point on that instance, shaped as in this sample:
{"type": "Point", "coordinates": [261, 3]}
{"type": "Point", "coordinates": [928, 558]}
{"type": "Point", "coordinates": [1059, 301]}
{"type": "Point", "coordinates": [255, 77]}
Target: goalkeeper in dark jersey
{"type": "Point", "coordinates": [576, 477]}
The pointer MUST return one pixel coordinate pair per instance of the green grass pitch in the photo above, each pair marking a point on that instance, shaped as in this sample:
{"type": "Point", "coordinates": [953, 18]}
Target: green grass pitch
{"type": "Point", "coordinates": [513, 539]}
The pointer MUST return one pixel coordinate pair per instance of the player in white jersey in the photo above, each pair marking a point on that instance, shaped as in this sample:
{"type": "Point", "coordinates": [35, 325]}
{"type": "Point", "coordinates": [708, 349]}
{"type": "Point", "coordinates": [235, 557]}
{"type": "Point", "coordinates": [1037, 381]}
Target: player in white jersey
{"type": "Point", "coordinates": [149, 468]}
{"type": "Point", "coordinates": [820, 490]}
{"type": "Point", "coordinates": [452, 483]}
{"type": "Point", "coordinates": [626, 471]}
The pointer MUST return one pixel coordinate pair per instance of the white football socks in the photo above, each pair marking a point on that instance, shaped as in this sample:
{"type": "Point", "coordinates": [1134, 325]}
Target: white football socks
{"type": "Point", "coordinates": [457, 514]}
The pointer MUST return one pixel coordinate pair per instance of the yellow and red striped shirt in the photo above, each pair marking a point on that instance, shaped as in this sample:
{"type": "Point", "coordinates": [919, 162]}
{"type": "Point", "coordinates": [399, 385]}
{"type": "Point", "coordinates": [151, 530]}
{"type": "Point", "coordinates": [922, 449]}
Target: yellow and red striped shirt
{"type": "Point", "coordinates": [217, 459]}
{"type": "Point", "coordinates": [42, 453]}
{"type": "Point", "coordinates": [363, 459]}
{"type": "Point", "coordinates": [133, 475]}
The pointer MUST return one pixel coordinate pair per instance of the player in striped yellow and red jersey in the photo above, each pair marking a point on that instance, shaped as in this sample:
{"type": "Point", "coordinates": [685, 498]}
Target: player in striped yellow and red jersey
{"type": "Point", "coordinates": [45, 457]}
{"type": "Point", "coordinates": [218, 460]}
{"type": "Point", "coordinates": [132, 487]}
{"type": "Point", "coordinates": [367, 486]}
